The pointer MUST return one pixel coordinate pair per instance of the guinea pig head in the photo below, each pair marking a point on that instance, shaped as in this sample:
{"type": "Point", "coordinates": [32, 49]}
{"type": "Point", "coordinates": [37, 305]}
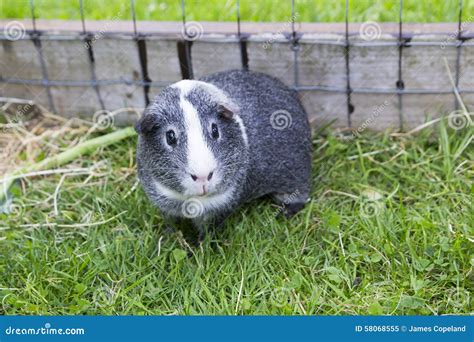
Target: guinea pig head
{"type": "Point", "coordinates": [192, 141]}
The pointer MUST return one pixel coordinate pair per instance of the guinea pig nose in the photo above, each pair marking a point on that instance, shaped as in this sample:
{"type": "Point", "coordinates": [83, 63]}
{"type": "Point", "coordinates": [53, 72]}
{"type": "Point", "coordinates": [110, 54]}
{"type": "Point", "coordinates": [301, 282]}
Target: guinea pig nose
{"type": "Point", "coordinates": [202, 178]}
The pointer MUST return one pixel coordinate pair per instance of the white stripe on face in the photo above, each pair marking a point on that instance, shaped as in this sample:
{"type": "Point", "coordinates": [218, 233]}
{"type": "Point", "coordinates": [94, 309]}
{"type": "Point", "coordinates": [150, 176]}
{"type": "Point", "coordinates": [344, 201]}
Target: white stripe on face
{"type": "Point", "coordinates": [201, 161]}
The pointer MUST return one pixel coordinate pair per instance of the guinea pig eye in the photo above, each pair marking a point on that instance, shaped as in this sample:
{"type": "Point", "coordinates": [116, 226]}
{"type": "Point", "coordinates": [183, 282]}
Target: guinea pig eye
{"type": "Point", "coordinates": [214, 131]}
{"type": "Point", "coordinates": [171, 138]}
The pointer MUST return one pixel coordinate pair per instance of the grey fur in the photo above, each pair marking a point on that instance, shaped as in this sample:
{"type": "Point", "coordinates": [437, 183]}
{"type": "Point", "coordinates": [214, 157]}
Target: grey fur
{"type": "Point", "coordinates": [276, 161]}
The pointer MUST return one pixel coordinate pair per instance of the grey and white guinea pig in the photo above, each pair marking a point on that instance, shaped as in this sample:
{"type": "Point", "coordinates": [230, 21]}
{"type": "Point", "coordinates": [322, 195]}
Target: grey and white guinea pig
{"type": "Point", "coordinates": [207, 146]}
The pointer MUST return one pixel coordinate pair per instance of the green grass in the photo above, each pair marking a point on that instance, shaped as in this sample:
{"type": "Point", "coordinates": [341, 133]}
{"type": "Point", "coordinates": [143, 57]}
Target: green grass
{"type": "Point", "coordinates": [410, 252]}
{"type": "Point", "coordinates": [251, 10]}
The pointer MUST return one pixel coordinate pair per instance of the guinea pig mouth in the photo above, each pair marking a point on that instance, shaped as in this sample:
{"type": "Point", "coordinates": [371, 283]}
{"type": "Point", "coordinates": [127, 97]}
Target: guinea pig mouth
{"type": "Point", "coordinates": [204, 192]}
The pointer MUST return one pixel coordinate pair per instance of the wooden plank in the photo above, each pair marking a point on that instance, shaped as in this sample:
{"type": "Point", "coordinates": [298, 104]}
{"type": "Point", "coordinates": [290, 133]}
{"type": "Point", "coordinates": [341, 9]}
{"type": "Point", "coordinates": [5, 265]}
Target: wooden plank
{"type": "Point", "coordinates": [19, 59]}
{"type": "Point", "coordinates": [318, 65]}
{"type": "Point", "coordinates": [374, 67]}
{"type": "Point", "coordinates": [324, 108]}
{"type": "Point", "coordinates": [163, 61]}
{"type": "Point", "coordinates": [119, 59]}
{"type": "Point", "coordinates": [374, 112]}
{"type": "Point", "coordinates": [424, 67]}
{"type": "Point", "coordinates": [322, 65]}
{"type": "Point", "coordinates": [75, 101]}
{"type": "Point", "coordinates": [66, 60]}
{"type": "Point", "coordinates": [466, 74]}
{"type": "Point", "coordinates": [420, 108]}
{"type": "Point", "coordinates": [466, 77]}
{"type": "Point", "coordinates": [27, 92]}
{"type": "Point", "coordinates": [69, 60]}
{"type": "Point", "coordinates": [173, 29]}
{"type": "Point", "coordinates": [211, 57]}
{"type": "Point", "coordinates": [273, 57]}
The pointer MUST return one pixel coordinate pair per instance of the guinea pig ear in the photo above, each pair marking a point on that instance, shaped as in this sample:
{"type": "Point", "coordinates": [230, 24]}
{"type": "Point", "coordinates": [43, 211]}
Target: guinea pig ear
{"type": "Point", "coordinates": [146, 123]}
{"type": "Point", "coordinates": [227, 111]}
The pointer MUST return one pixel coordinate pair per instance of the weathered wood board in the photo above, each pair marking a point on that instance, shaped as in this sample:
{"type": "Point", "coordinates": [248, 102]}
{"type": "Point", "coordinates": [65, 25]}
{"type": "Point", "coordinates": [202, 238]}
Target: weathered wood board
{"type": "Point", "coordinates": [163, 61]}
{"type": "Point", "coordinates": [209, 57]}
{"type": "Point", "coordinates": [119, 60]}
{"type": "Point", "coordinates": [320, 69]}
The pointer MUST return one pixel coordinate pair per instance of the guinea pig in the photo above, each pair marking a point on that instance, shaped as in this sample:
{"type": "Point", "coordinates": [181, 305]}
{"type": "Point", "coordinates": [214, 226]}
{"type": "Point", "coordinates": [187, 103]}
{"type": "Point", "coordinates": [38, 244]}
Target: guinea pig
{"type": "Point", "coordinates": [207, 146]}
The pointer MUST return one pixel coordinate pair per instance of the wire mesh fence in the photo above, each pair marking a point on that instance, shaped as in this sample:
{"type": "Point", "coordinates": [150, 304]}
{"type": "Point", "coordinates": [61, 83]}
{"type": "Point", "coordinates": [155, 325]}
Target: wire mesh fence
{"type": "Point", "coordinates": [96, 73]}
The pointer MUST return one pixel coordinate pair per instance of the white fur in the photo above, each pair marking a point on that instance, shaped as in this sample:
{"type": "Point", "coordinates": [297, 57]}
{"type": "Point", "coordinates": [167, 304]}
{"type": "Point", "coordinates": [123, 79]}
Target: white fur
{"type": "Point", "coordinates": [201, 161]}
{"type": "Point", "coordinates": [187, 85]}
{"type": "Point", "coordinates": [224, 99]}
{"type": "Point", "coordinates": [238, 119]}
{"type": "Point", "coordinates": [209, 202]}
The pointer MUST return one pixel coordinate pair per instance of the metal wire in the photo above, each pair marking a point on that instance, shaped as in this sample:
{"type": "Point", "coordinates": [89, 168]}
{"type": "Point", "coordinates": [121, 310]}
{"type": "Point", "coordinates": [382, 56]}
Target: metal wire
{"type": "Point", "coordinates": [294, 45]}
{"type": "Point", "coordinates": [187, 44]}
{"type": "Point", "coordinates": [467, 38]}
{"type": "Point", "coordinates": [44, 71]}
{"type": "Point", "coordinates": [458, 54]}
{"type": "Point", "coordinates": [238, 18]}
{"type": "Point", "coordinates": [242, 40]}
{"type": "Point", "coordinates": [400, 83]}
{"type": "Point", "coordinates": [350, 106]}
{"type": "Point", "coordinates": [70, 83]}
{"type": "Point", "coordinates": [134, 17]}
{"type": "Point", "coordinates": [293, 32]}
{"type": "Point", "coordinates": [88, 43]}
{"type": "Point", "coordinates": [161, 84]}
{"type": "Point", "coordinates": [142, 54]}
{"type": "Point", "coordinates": [183, 14]}
{"type": "Point", "coordinates": [33, 17]}
{"type": "Point", "coordinates": [83, 21]}
{"type": "Point", "coordinates": [402, 40]}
